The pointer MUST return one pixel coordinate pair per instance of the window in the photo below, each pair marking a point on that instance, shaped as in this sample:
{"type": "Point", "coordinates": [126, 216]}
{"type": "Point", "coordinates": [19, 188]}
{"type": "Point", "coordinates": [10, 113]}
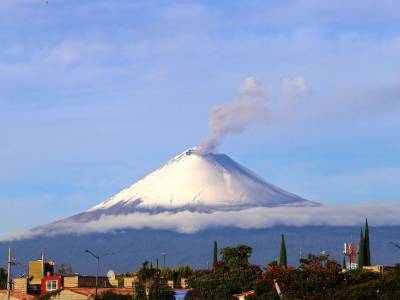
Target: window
{"type": "Point", "coordinates": [51, 285]}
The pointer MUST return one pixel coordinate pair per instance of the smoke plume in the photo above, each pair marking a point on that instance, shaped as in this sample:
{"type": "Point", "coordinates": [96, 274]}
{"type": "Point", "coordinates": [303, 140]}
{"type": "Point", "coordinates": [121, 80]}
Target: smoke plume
{"type": "Point", "coordinates": [234, 117]}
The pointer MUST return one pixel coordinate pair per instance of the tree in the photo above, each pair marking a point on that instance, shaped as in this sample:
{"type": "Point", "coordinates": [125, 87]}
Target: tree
{"type": "Point", "coordinates": [282, 255]}
{"type": "Point", "coordinates": [150, 285]}
{"type": "Point", "coordinates": [344, 262]}
{"type": "Point", "coordinates": [231, 275]}
{"type": "Point", "coordinates": [215, 254]}
{"type": "Point", "coordinates": [64, 269]}
{"type": "Point", "coordinates": [361, 252]}
{"type": "Point", "coordinates": [367, 253]}
{"type": "Point", "coordinates": [318, 277]}
{"type": "Point", "coordinates": [3, 278]}
{"type": "Point", "coordinates": [236, 256]}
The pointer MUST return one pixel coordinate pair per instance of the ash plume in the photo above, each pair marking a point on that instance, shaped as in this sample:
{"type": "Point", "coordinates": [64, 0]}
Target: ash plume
{"type": "Point", "coordinates": [235, 116]}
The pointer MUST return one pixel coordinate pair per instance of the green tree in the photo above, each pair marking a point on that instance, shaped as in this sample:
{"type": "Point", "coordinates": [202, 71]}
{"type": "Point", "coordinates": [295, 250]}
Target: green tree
{"type": "Point", "coordinates": [344, 262]}
{"type": "Point", "coordinates": [215, 254]}
{"type": "Point", "coordinates": [150, 285]}
{"type": "Point", "coordinates": [232, 274]}
{"type": "Point", "coordinates": [318, 277]}
{"type": "Point", "coordinates": [3, 278]}
{"type": "Point", "coordinates": [367, 252]}
{"type": "Point", "coordinates": [283, 255]}
{"type": "Point", "coordinates": [361, 251]}
{"type": "Point", "coordinates": [236, 256]}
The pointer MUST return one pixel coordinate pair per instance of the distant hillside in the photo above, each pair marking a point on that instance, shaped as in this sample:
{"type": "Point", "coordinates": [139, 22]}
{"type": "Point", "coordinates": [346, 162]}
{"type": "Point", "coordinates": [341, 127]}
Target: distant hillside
{"type": "Point", "coordinates": [132, 247]}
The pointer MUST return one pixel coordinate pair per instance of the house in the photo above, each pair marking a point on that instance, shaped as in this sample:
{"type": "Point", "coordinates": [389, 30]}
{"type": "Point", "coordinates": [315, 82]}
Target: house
{"type": "Point", "coordinates": [184, 283]}
{"type": "Point", "coordinates": [16, 295]}
{"type": "Point", "coordinates": [50, 283]}
{"type": "Point", "coordinates": [374, 269]}
{"type": "Point", "coordinates": [129, 282]}
{"type": "Point", "coordinates": [80, 281]}
{"type": "Point", "coordinates": [88, 293]}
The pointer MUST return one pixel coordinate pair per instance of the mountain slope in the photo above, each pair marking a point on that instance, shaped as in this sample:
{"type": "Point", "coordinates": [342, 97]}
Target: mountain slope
{"type": "Point", "coordinates": [186, 194]}
{"type": "Point", "coordinates": [199, 182]}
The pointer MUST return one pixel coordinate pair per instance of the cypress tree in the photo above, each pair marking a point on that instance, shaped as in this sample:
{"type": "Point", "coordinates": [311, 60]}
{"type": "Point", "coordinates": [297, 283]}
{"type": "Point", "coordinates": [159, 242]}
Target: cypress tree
{"type": "Point", "coordinates": [344, 262]}
{"type": "Point", "coordinates": [361, 252]}
{"type": "Point", "coordinates": [215, 253]}
{"type": "Point", "coordinates": [367, 253]}
{"type": "Point", "coordinates": [283, 256]}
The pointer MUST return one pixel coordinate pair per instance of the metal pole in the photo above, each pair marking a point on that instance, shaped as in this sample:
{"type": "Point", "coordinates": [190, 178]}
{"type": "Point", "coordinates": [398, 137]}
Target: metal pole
{"type": "Point", "coordinates": [164, 254]}
{"type": "Point", "coordinates": [43, 263]}
{"type": "Point", "coordinates": [98, 263]}
{"type": "Point", "coordinates": [97, 275]}
{"type": "Point", "coordinates": [9, 274]}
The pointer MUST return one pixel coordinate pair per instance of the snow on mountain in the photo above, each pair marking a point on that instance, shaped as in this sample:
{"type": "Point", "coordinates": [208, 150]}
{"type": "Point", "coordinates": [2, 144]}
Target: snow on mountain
{"type": "Point", "coordinates": [192, 191]}
{"type": "Point", "coordinates": [196, 191]}
{"type": "Point", "coordinates": [199, 181]}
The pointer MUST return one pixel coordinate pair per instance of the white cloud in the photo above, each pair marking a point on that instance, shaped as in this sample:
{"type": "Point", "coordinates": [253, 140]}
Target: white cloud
{"type": "Point", "coordinates": [261, 217]}
{"type": "Point", "coordinates": [66, 53]}
{"type": "Point", "coordinates": [296, 86]}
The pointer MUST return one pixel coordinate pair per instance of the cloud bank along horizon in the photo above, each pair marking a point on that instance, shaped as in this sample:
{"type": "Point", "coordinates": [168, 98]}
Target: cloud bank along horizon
{"type": "Point", "coordinates": [251, 108]}
{"type": "Point", "coordinates": [252, 218]}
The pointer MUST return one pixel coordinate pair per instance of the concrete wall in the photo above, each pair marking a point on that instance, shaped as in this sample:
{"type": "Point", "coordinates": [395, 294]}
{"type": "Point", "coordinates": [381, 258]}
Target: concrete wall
{"type": "Point", "coordinates": [21, 284]}
{"type": "Point", "coordinates": [85, 281]}
{"type": "Point", "coordinates": [69, 295]}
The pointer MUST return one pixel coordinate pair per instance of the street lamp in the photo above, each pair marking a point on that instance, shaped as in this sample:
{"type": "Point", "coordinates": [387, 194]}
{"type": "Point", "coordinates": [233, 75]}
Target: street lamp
{"type": "Point", "coordinates": [98, 263]}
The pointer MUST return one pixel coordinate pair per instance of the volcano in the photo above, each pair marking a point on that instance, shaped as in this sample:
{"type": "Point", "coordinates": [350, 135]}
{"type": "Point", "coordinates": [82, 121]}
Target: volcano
{"type": "Point", "coordinates": [198, 181]}
{"type": "Point", "coordinates": [187, 204]}
{"type": "Point", "coordinates": [191, 185]}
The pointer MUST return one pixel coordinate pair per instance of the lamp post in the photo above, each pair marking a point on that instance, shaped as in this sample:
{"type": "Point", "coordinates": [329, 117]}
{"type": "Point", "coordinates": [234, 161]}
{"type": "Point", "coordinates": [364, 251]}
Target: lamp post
{"type": "Point", "coordinates": [98, 263]}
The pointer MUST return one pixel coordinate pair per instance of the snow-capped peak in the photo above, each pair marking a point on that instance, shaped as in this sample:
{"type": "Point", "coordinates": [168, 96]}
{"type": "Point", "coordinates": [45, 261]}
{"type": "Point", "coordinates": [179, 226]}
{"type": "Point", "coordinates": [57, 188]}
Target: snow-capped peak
{"type": "Point", "coordinates": [198, 180]}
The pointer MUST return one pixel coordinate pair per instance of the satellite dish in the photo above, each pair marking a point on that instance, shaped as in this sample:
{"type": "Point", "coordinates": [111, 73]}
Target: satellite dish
{"type": "Point", "coordinates": [111, 275]}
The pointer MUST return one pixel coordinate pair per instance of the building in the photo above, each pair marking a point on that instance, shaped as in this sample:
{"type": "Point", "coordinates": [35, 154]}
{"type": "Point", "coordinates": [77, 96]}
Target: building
{"type": "Point", "coordinates": [37, 270]}
{"type": "Point", "coordinates": [79, 281]}
{"type": "Point", "coordinates": [374, 269]}
{"type": "Point", "coordinates": [88, 293]}
{"type": "Point", "coordinates": [16, 295]}
{"type": "Point", "coordinates": [50, 283]}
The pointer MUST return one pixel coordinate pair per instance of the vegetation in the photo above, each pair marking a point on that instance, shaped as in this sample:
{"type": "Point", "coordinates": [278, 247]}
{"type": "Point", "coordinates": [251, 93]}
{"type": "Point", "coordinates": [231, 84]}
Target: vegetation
{"type": "Point", "coordinates": [361, 254]}
{"type": "Point", "coordinates": [64, 269]}
{"type": "Point", "coordinates": [177, 274]}
{"type": "Point", "coordinates": [367, 251]}
{"type": "Point", "coordinates": [316, 278]}
{"type": "Point", "coordinates": [3, 278]}
{"type": "Point", "coordinates": [51, 295]}
{"type": "Point", "coordinates": [150, 285]}
{"type": "Point", "coordinates": [282, 255]}
{"type": "Point", "coordinates": [215, 254]}
{"type": "Point", "coordinates": [319, 277]}
{"type": "Point", "coordinates": [364, 252]}
{"type": "Point", "coordinates": [232, 274]}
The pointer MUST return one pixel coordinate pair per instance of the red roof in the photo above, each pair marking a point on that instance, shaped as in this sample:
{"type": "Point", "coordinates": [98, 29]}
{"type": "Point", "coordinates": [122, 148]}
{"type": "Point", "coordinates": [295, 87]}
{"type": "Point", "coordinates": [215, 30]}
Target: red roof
{"type": "Point", "coordinates": [92, 291]}
{"type": "Point", "coordinates": [19, 295]}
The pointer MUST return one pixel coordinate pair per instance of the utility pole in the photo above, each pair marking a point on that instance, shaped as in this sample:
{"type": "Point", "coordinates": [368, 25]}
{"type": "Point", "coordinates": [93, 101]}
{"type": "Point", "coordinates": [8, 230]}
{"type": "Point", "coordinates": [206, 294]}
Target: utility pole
{"type": "Point", "coordinates": [9, 274]}
{"type": "Point", "coordinates": [164, 255]}
{"type": "Point", "coordinates": [42, 254]}
{"type": "Point", "coordinates": [97, 257]}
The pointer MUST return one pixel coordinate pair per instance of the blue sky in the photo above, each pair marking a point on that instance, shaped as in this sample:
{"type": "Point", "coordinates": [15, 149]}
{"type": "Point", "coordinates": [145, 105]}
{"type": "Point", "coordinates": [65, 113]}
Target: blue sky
{"type": "Point", "coordinates": [96, 94]}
